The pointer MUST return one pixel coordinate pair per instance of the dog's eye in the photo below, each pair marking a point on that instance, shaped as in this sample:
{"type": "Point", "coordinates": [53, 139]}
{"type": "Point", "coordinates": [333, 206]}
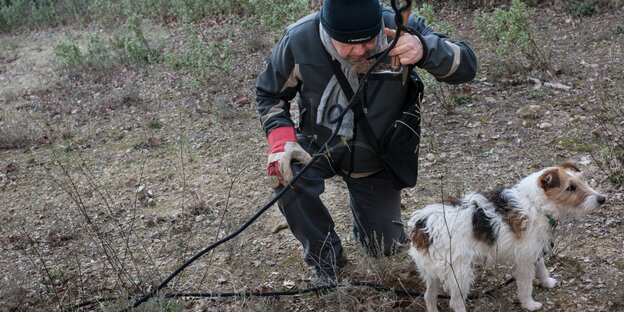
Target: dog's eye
{"type": "Point", "coordinates": [571, 188]}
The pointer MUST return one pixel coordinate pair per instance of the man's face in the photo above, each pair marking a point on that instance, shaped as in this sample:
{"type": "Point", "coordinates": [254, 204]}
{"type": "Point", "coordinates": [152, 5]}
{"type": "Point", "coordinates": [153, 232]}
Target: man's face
{"type": "Point", "coordinates": [354, 52]}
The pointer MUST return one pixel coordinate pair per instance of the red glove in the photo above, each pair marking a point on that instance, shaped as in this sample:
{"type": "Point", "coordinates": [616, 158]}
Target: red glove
{"type": "Point", "coordinates": [284, 148]}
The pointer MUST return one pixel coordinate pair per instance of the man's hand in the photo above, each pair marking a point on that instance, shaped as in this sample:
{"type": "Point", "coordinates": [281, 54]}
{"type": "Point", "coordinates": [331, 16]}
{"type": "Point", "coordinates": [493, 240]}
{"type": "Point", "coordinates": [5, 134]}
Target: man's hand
{"type": "Point", "coordinates": [284, 149]}
{"type": "Point", "coordinates": [409, 49]}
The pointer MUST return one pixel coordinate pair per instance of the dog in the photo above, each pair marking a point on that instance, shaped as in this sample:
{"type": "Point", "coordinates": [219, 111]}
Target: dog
{"type": "Point", "coordinates": [513, 224]}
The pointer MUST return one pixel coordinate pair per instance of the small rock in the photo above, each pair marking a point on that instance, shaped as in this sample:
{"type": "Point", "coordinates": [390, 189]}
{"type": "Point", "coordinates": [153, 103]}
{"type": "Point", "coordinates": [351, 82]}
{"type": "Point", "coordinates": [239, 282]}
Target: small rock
{"type": "Point", "coordinates": [288, 284]}
{"type": "Point", "coordinates": [153, 142]}
{"type": "Point", "coordinates": [585, 160]}
{"type": "Point", "coordinates": [430, 157]}
{"type": "Point", "coordinates": [597, 133]}
{"type": "Point", "coordinates": [473, 124]}
{"type": "Point", "coordinates": [545, 125]}
{"type": "Point", "coordinates": [529, 111]}
{"type": "Point", "coordinates": [593, 183]}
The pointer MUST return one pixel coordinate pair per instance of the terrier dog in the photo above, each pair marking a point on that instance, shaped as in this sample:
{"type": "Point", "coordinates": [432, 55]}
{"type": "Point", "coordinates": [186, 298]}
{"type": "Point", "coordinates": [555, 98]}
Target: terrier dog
{"type": "Point", "coordinates": [513, 224]}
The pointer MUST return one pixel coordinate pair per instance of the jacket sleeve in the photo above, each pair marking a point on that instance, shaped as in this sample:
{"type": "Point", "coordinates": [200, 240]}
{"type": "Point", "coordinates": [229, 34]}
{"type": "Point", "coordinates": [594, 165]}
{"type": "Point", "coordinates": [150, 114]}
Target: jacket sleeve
{"type": "Point", "coordinates": [448, 60]}
{"type": "Point", "coordinates": [276, 86]}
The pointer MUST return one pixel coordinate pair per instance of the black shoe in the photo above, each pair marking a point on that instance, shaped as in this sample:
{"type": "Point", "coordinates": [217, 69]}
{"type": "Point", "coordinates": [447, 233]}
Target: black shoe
{"type": "Point", "coordinates": [323, 280]}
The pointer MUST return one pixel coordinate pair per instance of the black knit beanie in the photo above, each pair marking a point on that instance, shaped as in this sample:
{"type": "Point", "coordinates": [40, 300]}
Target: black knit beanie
{"type": "Point", "coordinates": [351, 21]}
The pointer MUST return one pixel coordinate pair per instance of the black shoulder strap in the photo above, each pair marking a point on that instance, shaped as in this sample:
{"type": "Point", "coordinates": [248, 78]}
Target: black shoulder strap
{"type": "Point", "coordinates": [358, 112]}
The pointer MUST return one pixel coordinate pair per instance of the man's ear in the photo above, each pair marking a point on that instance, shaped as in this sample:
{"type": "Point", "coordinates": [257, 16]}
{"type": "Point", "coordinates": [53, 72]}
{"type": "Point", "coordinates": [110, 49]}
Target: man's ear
{"type": "Point", "coordinates": [549, 179]}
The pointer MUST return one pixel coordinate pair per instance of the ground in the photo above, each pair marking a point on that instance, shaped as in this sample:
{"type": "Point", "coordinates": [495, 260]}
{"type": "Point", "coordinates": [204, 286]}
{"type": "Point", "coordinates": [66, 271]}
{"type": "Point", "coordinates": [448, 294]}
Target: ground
{"type": "Point", "coordinates": [126, 173]}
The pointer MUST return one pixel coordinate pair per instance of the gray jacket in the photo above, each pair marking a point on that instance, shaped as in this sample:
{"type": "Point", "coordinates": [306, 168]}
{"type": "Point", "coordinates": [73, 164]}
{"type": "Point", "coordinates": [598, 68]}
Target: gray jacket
{"type": "Point", "coordinates": [299, 66]}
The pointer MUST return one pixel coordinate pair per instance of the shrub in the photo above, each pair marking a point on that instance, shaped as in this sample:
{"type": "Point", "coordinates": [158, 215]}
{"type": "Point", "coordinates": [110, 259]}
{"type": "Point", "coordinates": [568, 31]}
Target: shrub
{"type": "Point", "coordinates": [131, 42]}
{"type": "Point", "coordinates": [126, 44]}
{"type": "Point", "coordinates": [18, 131]}
{"type": "Point", "coordinates": [107, 13]}
{"type": "Point", "coordinates": [68, 54]}
{"type": "Point", "coordinates": [582, 8]}
{"type": "Point", "coordinates": [203, 60]}
{"type": "Point", "coordinates": [275, 14]}
{"type": "Point", "coordinates": [98, 54]}
{"type": "Point", "coordinates": [14, 14]}
{"type": "Point", "coordinates": [43, 14]}
{"type": "Point", "coordinates": [110, 13]}
{"type": "Point", "coordinates": [427, 12]}
{"type": "Point", "coordinates": [512, 37]}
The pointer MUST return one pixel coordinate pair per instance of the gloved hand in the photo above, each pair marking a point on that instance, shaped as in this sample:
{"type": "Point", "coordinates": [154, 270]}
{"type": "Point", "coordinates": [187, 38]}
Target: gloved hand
{"type": "Point", "coordinates": [284, 148]}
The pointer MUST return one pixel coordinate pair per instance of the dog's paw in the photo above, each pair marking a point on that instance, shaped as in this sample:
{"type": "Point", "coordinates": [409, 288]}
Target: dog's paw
{"type": "Point", "coordinates": [532, 305]}
{"type": "Point", "coordinates": [549, 283]}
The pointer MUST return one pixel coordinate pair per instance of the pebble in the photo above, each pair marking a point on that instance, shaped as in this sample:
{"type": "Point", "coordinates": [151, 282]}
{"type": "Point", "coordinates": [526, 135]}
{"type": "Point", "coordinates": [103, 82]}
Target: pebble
{"type": "Point", "coordinates": [530, 111]}
{"type": "Point", "coordinates": [593, 183]}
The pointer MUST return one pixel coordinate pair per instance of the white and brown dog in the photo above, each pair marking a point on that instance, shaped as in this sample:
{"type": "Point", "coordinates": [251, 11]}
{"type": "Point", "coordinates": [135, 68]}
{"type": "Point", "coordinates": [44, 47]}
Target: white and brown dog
{"type": "Point", "coordinates": [510, 224]}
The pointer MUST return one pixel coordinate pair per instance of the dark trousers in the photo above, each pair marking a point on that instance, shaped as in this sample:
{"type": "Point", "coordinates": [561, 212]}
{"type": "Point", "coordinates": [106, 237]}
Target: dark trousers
{"type": "Point", "coordinates": [375, 204]}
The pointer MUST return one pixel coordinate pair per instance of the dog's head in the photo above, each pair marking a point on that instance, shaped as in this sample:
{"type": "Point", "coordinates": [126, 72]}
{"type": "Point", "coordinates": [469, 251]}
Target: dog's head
{"type": "Point", "coordinates": [567, 192]}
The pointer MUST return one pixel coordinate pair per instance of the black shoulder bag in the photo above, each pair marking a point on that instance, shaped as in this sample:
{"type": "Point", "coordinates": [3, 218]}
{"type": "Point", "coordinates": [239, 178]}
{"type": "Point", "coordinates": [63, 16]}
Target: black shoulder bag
{"type": "Point", "coordinates": [396, 142]}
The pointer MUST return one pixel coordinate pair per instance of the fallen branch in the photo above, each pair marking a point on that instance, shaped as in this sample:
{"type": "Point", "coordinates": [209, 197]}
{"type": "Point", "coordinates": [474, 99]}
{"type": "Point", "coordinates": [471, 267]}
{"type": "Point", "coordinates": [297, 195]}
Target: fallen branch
{"type": "Point", "coordinates": [553, 85]}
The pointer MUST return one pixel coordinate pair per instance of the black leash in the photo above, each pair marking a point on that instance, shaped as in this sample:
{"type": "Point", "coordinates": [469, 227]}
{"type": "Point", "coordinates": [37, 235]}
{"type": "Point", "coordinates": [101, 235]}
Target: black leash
{"type": "Point", "coordinates": [243, 294]}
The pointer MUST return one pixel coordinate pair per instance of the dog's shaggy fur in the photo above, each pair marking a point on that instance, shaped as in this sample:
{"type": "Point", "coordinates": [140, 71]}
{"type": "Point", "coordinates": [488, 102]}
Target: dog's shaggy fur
{"type": "Point", "coordinates": [510, 224]}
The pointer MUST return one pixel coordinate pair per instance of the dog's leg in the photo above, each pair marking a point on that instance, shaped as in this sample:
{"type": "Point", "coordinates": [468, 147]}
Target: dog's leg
{"type": "Point", "coordinates": [542, 274]}
{"type": "Point", "coordinates": [458, 281]}
{"type": "Point", "coordinates": [525, 272]}
{"type": "Point", "coordinates": [431, 295]}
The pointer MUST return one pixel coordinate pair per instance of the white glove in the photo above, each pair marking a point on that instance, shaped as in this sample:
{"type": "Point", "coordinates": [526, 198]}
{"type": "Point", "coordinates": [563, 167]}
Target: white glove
{"type": "Point", "coordinates": [279, 162]}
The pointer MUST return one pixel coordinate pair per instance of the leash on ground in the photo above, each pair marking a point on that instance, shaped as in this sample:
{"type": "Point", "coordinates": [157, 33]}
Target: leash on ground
{"type": "Point", "coordinates": [243, 294]}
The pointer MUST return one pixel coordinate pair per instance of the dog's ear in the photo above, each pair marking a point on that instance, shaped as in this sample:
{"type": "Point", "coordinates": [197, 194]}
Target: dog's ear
{"type": "Point", "coordinates": [549, 179]}
{"type": "Point", "coordinates": [569, 165]}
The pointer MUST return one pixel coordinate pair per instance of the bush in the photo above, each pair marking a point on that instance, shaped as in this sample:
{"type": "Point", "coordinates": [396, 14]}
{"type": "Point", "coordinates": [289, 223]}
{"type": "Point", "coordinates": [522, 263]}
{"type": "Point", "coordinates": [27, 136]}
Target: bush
{"type": "Point", "coordinates": [18, 131]}
{"type": "Point", "coordinates": [427, 12]}
{"type": "Point", "coordinates": [68, 54]}
{"type": "Point", "coordinates": [43, 14]}
{"type": "Point", "coordinates": [275, 14]}
{"type": "Point", "coordinates": [582, 8]}
{"type": "Point", "coordinates": [98, 54]}
{"type": "Point", "coordinates": [513, 38]}
{"type": "Point", "coordinates": [126, 44]}
{"type": "Point", "coordinates": [203, 60]}
{"type": "Point", "coordinates": [14, 14]}
{"type": "Point", "coordinates": [131, 42]}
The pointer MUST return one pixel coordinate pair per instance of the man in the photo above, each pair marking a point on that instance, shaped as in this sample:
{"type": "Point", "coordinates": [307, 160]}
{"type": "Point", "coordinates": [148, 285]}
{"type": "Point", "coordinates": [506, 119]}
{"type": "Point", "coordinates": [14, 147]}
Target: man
{"type": "Point", "coordinates": [349, 31]}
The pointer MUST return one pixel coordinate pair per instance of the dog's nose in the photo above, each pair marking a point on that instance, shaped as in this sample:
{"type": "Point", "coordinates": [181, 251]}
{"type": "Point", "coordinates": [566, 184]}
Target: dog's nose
{"type": "Point", "coordinates": [601, 200]}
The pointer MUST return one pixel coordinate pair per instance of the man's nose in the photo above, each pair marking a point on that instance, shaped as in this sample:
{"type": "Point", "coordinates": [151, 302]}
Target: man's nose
{"type": "Point", "coordinates": [359, 49]}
